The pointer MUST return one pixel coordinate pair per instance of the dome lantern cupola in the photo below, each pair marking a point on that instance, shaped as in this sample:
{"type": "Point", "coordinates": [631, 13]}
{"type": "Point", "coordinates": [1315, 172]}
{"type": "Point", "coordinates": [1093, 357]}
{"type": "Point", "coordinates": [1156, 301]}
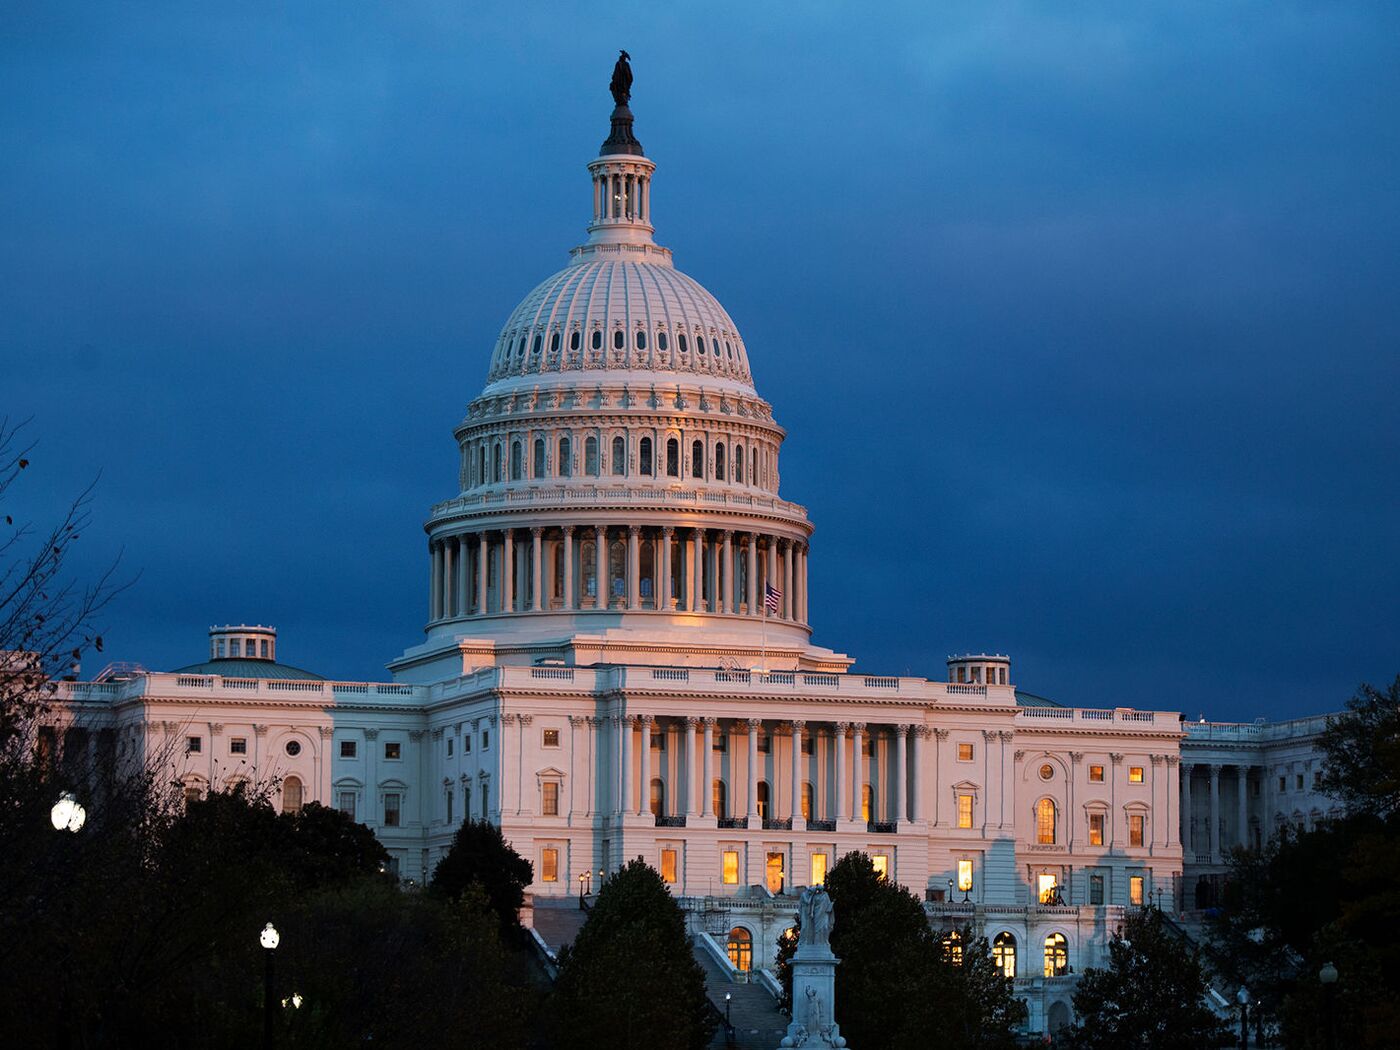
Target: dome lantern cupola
{"type": "Point", "coordinates": [621, 175]}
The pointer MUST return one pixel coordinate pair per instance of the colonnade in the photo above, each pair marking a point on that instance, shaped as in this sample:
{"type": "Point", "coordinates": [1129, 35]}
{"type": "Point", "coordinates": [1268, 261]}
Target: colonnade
{"type": "Point", "coordinates": [1209, 850]}
{"type": "Point", "coordinates": [622, 567]}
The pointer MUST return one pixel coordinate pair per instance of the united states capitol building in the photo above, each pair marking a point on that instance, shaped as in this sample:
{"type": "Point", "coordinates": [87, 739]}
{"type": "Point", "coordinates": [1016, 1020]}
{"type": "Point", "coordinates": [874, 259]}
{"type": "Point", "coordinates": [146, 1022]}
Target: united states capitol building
{"type": "Point", "coordinates": [618, 661]}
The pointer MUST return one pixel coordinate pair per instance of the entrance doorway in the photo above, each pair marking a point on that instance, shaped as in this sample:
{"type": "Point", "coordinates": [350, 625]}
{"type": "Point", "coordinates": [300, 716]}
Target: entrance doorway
{"type": "Point", "coordinates": [774, 871]}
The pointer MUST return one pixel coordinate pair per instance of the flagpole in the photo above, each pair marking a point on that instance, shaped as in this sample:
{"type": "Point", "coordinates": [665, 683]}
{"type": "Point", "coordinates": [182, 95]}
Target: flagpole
{"type": "Point", "coordinates": [763, 660]}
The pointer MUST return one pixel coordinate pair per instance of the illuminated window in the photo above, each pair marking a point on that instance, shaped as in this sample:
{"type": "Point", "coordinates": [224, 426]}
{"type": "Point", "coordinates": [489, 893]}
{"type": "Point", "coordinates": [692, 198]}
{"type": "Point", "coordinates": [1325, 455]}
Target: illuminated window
{"type": "Point", "coordinates": [774, 872]}
{"type": "Point", "coordinates": [730, 874]}
{"type": "Point", "coordinates": [740, 949]}
{"type": "Point", "coordinates": [391, 810]}
{"type": "Point", "coordinates": [668, 865]}
{"type": "Point", "coordinates": [867, 797]}
{"type": "Point", "coordinates": [953, 948]}
{"type": "Point", "coordinates": [1047, 771]}
{"type": "Point", "coordinates": [1045, 820]}
{"type": "Point", "coordinates": [818, 869]}
{"type": "Point", "coordinates": [1056, 955]}
{"type": "Point", "coordinates": [964, 752]}
{"type": "Point", "coordinates": [1096, 774]}
{"type": "Point", "coordinates": [1004, 954]}
{"type": "Point", "coordinates": [719, 800]}
{"type": "Point", "coordinates": [763, 799]}
{"type": "Point", "coordinates": [964, 811]}
{"type": "Point", "coordinates": [1096, 829]}
{"type": "Point", "coordinates": [1095, 889]}
{"type": "Point", "coordinates": [965, 875]}
{"type": "Point", "coordinates": [549, 864]}
{"type": "Point", "coordinates": [550, 799]}
{"type": "Point", "coordinates": [1135, 889]}
{"type": "Point", "coordinates": [1136, 825]}
{"type": "Point", "coordinates": [881, 863]}
{"type": "Point", "coordinates": [658, 797]}
{"type": "Point", "coordinates": [807, 800]}
{"type": "Point", "coordinates": [291, 795]}
{"type": "Point", "coordinates": [551, 738]}
{"type": "Point", "coordinates": [1047, 887]}
{"type": "Point", "coordinates": [1135, 774]}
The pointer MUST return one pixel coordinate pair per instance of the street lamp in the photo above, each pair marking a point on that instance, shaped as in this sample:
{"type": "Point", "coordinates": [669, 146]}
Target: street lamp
{"type": "Point", "coordinates": [67, 814]}
{"type": "Point", "coordinates": [1242, 997]}
{"type": "Point", "coordinates": [727, 1022]}
{"type": "Point", "coordinates": [269, 938]}
{"type": "Point", "coordinates": [1328, 977]}
{"type": "Point", "coordinates": [581, 877]}
{"type": "Point", "coordinates": [950, 891]}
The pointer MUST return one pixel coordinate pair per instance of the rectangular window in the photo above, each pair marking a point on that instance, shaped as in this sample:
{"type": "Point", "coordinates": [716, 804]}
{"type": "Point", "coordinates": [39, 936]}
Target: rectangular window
{"type": "Point", "coordinates": [809, 744]}
{"type": "Point", "coordinates": [1135, 774]}
{"type": "Point", "coordinates": [393, 750]}
{"type": "Point", "coordinates": [391, 811]}
{"type": "Point", "coordinates": [238, 745]}
{"type": "Point", "coordinates": [730, 874]}
{"type": "Point", "coordinates": [1254, 788]}
{"type": "Point", "coordinates": [1096, 829]}
{"type": "Point", "coordinates": [721, 741]}
{"type": "Point", "coordinates": [658, 741]}
{"type": "Point", "coordinates": [449, 805]}
{"type": "Point", "coordinates": [1136, 824]}
{"type": "Point", "coordinates": [486, 740]}
{"type": "Point", "coordinates": [964, 875]}
{"type": "Point", "coordinates": [1135, 889]}
{"type": "Point", "coordinates": [449, 747]}
{"type": "Point", "coordinates": [347, 749]}
{"type": "Point", "coordinates": [765, 743]}
{"type": "Point", "coordinates": [1096, 774]}
{"type": "Point", "coordinates": [668, 865]}
{"type": "Point", "coordinates": [551, 738]}
{"type": "Point", "coordinates": [549, 864]}
{"type": "Point", "coordinates": [881, 863]}
{"type": "Point", "coordinates": [193, 745]}
{"type": "Point", "coordinates": [964, 752]}
{"type": "Point", "coordinates": [1095, 889]}
{"type": "Point", "coordinates": [467, 744]}
{"type": "Point", "coordinates": [964, 811]}
{"type": "Point", "coordinates": [1282, 785]}
{"type": "Point", "coordinates": [551, 799]}
{"type": "Point", "coordinates": [1047, 887]}
{"type": "Point", "coordinates": [1299, 783]}
{"type": "Point", "coordinates": [346, 803]}
{"type": "Point", "coordinates": [818, 869]}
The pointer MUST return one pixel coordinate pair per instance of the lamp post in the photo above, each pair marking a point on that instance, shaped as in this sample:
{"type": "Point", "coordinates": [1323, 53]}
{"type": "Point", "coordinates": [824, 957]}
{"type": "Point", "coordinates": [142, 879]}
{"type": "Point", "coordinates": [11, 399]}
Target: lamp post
{"type": "Point", "coordinates": [1328, 978]}
{"type": "Point", "coordinates": [1242, 997]}
{"type": "Point", "coordinates": [727, 1022]}
{"type": "Point", "coordinates": [950, 891]}
{"type": "Point", "coordinates": [584, 876]}
{"type": "Point", "coordinates": [269, 938]}
{"type": "Point", "coordinates": [67, 814]}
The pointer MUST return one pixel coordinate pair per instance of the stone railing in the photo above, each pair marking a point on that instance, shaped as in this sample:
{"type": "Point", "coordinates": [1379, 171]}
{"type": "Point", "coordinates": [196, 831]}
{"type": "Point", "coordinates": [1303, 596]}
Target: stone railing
{"type": "Point", "coordinates": [284, 690]}
{"type": "Point", "coordinates": [547, 494]}
{"type": "Point", "coordinates": [1256, 732]}
{"type": "Point", "coordinates": [732, 822]}
{"type": "Point", "coordinates": [671, 822]}
{"type": "Point", "coordinates": [1120, 715]}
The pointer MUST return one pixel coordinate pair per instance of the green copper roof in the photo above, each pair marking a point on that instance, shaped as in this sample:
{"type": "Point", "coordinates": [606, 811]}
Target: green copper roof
{"type": "Point", "coordinates": [1024, 699]}
{"type": "Point", "coordinates": [239, 668]}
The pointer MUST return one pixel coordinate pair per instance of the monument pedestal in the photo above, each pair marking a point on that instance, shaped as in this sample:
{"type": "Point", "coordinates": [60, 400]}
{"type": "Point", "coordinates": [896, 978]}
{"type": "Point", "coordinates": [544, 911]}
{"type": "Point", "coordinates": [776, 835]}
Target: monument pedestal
{"type": "Point", "coordinates": [813, 999]}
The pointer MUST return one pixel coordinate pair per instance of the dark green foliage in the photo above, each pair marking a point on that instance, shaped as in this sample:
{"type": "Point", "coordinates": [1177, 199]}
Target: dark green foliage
{"type": "Point", "coordinates": [630, 979]}
{"type": "Point", "coordinates": [1361, 752]}
{"type": "Point", "coordinates": [481, 856]}
{"type": "Point", "coordinates": [1151, 996]}
{"type": "Point", "coordinates": [782, 965]}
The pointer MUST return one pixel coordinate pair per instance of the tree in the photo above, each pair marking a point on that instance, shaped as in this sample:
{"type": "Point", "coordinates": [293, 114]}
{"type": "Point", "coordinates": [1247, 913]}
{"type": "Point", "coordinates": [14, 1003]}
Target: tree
{"type": "Point", "coordinates": [480, 855]}
{"type": "Point", "coordinates": [1361, 751]}
{"type": "Point", "coordinates": [630, 979]}
{"type": "Point", "coordinates": [1151, 996]}
{"type": "Point", "coordinates": [327, 847]}
{"type": "Point", "coordinates": [971, 1004]}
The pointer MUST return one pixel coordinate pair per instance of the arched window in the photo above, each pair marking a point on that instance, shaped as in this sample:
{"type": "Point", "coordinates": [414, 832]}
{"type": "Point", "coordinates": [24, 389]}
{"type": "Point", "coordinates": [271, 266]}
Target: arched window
{"type": "Point", "coordinates": [953, 948]}
{"type": "Point", "coordinates": [573, 340]}
{"type": "Point", "coordinates": [753, 466]}
{"type": "Point", "coordinates": [867, 803]}
{"type": "Point", "coordinates": [697, 459]}
{"type": "Point", "coordinates": [496, 463]}
{"type": "Point", "coordinates": [739, 464]}
{"type": "Point", "coordinates": [481, 468]}
{"type": "Point", "coordinates": [719, 799]}
{"type": "Point", "coordinates": [763, 799]}
{"type": "Point", "coordinates": [1056, 955]}
{"type": "Point", "coordinates": [1004, 954]}
{"type": "Point", "coordinates": [291, 795]}
{"type": "Point", "coordinates": [539, 457]}
{"type": "Point", "coordinates": [807, 796]}
{"type": "Point", "coordinates": [1045, 820]}
{"type": "Point", "coordinates": [719, 462]}
{"type": "Point", "coordinates": [673, 458]}
{"type": "Point", "coordinates": [699, 344]}
{"type": "Point", "coordinates": [643, 456]}
{"type": "Point", "coordinates": [590, 457]}
{"type": "Point", "coordinates": [680, 342]}
{"type": "Point", "coordinates": [588, 567]}
{"type": "Point", "coordinates": [661, 341]}
{"type": "Point", "coordinates": [617, 569]}
{"type": "Point", "coordinates": [741, 949]}
{"type": "Point", "coordinates": [535, 347]}
{"type": "Point", "coordinates": [554, 343]}
{"type": "Point", "coordinates": [647, 556]}
{"type": "Point", "coordinates": [619, 340]}
{"type": "Point", "coordinates": [619, 456]}
{"type": "Point", "coordinates": [658, 797]}
{"type": "Point", "coordinates": [597, 339]}
{"type": "Point", "coordinates": [641, 339]}
{"type": "Point", "coordinates": [566, 466]}
{"type": "Point", "coordinates": [516, 461]}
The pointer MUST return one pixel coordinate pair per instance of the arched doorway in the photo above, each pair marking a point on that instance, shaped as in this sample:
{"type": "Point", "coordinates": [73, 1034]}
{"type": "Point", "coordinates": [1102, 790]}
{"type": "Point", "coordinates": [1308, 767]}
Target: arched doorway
{"type": "Point", "coordinates": [740, 949]}
{"type": "Point", "coordinates": [291, 795]}
{"type": "Point", "coordinates": [1058, 1016]}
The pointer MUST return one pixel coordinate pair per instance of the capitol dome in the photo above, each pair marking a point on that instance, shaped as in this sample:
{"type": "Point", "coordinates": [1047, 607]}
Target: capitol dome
{"type": "Point", "coordinates": [618, 474]}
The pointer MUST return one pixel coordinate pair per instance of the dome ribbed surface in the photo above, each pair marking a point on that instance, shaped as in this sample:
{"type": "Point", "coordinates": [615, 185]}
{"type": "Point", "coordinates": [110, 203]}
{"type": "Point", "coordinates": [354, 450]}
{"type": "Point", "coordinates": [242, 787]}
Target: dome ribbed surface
{"type": "Point", "coordinates": [669, 323]}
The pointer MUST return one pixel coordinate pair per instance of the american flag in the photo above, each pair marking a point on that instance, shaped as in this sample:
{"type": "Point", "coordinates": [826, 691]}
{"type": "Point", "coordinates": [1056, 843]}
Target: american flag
{"type": "Point", "coordinates": [771, 597]}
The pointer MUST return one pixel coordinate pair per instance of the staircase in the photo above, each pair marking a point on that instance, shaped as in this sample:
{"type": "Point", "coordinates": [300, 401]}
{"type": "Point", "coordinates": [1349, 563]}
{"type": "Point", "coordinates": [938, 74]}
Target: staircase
{"type": "Point", "coordinates": [753, 1012]}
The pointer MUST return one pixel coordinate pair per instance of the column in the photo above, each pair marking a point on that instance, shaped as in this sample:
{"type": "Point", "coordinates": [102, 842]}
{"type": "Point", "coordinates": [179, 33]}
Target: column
{"type": "Point", "coordinates": [697, 571]}
{"type": "Point", "coordinates": [753, 574]}
{"type": "Point", "coordinates": [447, 565]}
{"type": "Point", "coordinates": [1215, 814]}
{"type": "Point", "coordinates": [1071, 812]}
{"type": "Point", "coordinates": [901, 742]}
{"type": "Point", "coordinates": [803, 584]}
{"type": "Point", "coordinates": [789, 604]}
{"type": "Point", "coordinates": [726, 589]}
{"type": "Point", "coordinates": [939, 735]}
{"type": "Point", "coordinates": [434, 580]}
{"type": "Point", "coordinates": [753, 723]}
{"type": "Point", "coordinates": [1187, 847]}
{"type": "Point", "coordinates": [1115, 759]}
{"type": "Point", "coordinates": [668, 600]}
{"type": "Point", "coordinates": [461, 587]}
{"type": "Point", "coordinates": [916, 804]}
{"type": "Point", "coordinates": [690, 768]}
{"type": "Point", "coordinates": [537, 567]}
{"type": "Point", "coordinates": [568, 566]}
{"type": "Point", "coordinates": [706, 758]}
{"type": "Point", "coordinates": [644, 794]}
{"type": "Point", "coordinates": [483, 573]}
{"type": "Point", "coordinates": [797, 821]}
{"type": "Point", "coordinates": [508, 571]}
{"type": "Point", "coordinates": [857, 769]}
{"type": "Point", "coordinates": [600, 569]}
{"type": "Point", "coordinates": [634, 566]}
{"type": "Point", "coordinates": [1243, 778]}
{"type": "Point", "coordinates": [839, 806]}
{"type": "Point", "coordinates": [624, 750]}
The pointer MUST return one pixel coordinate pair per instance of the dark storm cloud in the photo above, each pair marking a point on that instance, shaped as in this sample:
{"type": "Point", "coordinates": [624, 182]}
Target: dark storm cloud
{"type": "Point", "coordinates": [1081, 318]}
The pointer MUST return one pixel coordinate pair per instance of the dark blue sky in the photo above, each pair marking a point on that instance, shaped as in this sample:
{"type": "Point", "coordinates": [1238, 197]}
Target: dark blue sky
{"type": "Point", "coordinates": [1082, 321]}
